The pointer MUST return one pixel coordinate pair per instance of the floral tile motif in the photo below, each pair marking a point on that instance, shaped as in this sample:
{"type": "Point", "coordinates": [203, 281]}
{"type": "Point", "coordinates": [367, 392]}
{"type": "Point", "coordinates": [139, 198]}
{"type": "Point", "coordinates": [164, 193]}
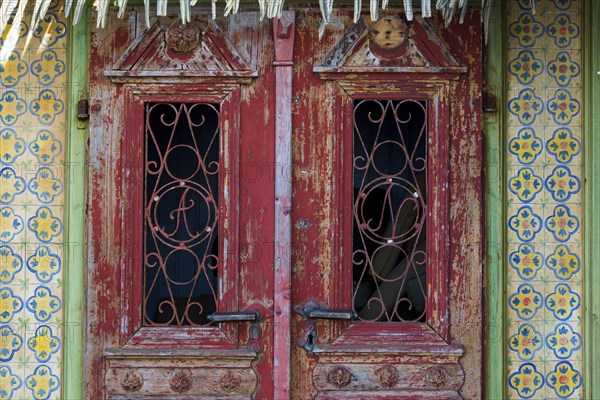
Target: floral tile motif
{"type": "Point", "coordinates": [526, 30]}
{"type": "Point", "coordinates": [525, 342]}
{"type": "Point", "coordinates": [47, 107]}
{"type": "Point", "coordinates": [10, 343]}
{"type": "Point", "coordinates": [33, 76]}
{"type": "Point", "coordinates": [10, 264]}
{"type": "Point", "coordinates": [563, 262]}
{"type": "Point", "coordinates": [45, 186]}
{"type": "Point", "coordinates": [562, 302]}
{"type": "Point", "coordinates": [526, 380]}
{"type": "Point", "coordinates": [562, 184]}
{"type": "Point", "coordinates": [45, 147]}
{"type": "Point", "coordinates": [23, 28]}
{"type": "Point", "coordinates": [10, 224]}
{"type": "Point", "coordinates": [526, 301]}
{"type": "Point", "coordinates": [48, 67]}
{"type": "Point", "coordinates": [526, 146]}
{"type": "Point", "coordinates": [50, 30]}
{"type": "Point", "coordinates": [563, 69]}
{"type": "Point", "coordinates": [563, 31]}
{"type": "Point", "coordinates": [10, 304]}
{"type": "Point", "coordinates": [11, 146]}
{"type": "Point", "coordinates": [43, 344]}
{"type": "Point", "coordinates": [526, 67]}
{"type": "Point", "coordinates": [12, 70]}
{"type": "Point", "coordinates": [11, 107]}
{"type": "Point", "coordinates": [562, 224]}
{"type": "Point", "coordinates": [42, 382]}
{"type": "Point", "coordinates": [43, 304]}
{"type": "Point", "coordinates": [526, 224]}
{"type": "Point", "coordinates": [563, 341]}
{"type": "Point", "coordinates": [9, 382]}
{"type": "Point", "coordinates": [562, 5]}
{"type": "Point", "coordinates": [44, 225]}
{"type": "Point", "coordinates": [526, 106]}
{"type": "Point", "coordinates": [563, 145]}
{"type": "Point", "coordinates": [564, 379]}
{"type": "Point", "coordinates": [12, 185]}
{"type": "Point", "coordinates": [526, 261]}
{"type": "Point", "coordinates": [44, 264]}
{"type": "Point", "coordinates": [526, 185]}
{"type": "Point", "coordinates": [563, 107]}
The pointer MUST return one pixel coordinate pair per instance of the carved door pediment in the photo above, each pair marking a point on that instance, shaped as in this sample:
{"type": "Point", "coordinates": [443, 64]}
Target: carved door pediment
{"type": "Point", "coordinates": [171, 52]}
{"type": "Point", "coordinates": [389, 46]}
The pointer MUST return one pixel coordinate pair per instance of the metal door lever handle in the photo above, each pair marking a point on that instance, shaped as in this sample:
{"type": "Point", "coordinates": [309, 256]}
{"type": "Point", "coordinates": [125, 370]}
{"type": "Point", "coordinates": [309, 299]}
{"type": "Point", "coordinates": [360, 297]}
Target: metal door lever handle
{"type": "Point", "coordinates": [345, 315]}
{"type": "Point", "coordinates": [315, 310]}
{"type": "Point", "coordinates": [239, 316]}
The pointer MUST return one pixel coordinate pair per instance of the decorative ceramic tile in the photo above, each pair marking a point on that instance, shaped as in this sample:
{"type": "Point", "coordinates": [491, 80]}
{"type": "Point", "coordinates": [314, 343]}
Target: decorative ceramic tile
{"type": "Point", "coordinates": [563, 145]}
{"type": "Point", "coordinates": [564, 341]}
{"type": "Point", "coordinates": [562, 223]}
{"type": "Point", "coordinates": [564, 379]}
{"type": "Point", "coordinates": [525, 223]}
{"type": "Point", "coordinates": [544, 141]}
{"type": "Point", "coordinates": [563, 262]}
{"type": "Point", "coordinates": [33, 99]}
{"type": "Point", "coordinates": [527, 106]}
{"type": "Point", "coordinates": [525, 67]}
{"type": "Point", "coordinates": [526, 146]}
{"type": "Point", "coordinates": [564, 68]}
{"type": "Point", "coordinates": [565, 32]}
{"type": "Point", "coordinates": [526, 380]}
{"type": "Point", "coordinates": [526, 30]}
{"type": "Point", "coordinates": [526, 261]}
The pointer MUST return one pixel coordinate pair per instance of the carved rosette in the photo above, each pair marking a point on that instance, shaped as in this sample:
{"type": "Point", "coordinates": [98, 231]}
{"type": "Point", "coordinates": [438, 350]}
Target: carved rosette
{"type": "Point", "coordinates": [180, 380]}
{"type": "Point", "coordinates": [339, 377]}
{"type": "Point", "coordinates": [229, 382]}
{"type": "Point", "coordinates": [132, 381]}
{"type": "Point", "coordinates": [387, 376]}
{"type": "Point", "coordinates": [182, 38]}
{"type": "Point", "coordinates": [436, 376]}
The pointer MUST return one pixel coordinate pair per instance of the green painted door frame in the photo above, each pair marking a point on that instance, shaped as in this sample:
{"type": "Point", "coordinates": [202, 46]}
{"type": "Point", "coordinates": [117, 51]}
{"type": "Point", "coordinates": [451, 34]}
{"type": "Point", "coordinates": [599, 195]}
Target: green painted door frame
{"type": "Point", "coordinates": [495, 271]}
{"type": "Point", "coordinates": [591, 152]}
{"type": "Point", "coordinates": [75, 219]}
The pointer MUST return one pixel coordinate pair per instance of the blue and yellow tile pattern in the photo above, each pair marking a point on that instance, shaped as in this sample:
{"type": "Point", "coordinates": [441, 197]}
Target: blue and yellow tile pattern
{"type": "Point", "coordinates": [544, 187]}
{"type": "Point", "coordinates": [33, 99]}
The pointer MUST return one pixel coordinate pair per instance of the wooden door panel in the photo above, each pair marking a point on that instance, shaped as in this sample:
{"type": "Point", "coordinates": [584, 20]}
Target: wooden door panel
{"type": "Point", "coordinates": [439, 359]}
{"type": "Point", "coordinates": [131, 360]}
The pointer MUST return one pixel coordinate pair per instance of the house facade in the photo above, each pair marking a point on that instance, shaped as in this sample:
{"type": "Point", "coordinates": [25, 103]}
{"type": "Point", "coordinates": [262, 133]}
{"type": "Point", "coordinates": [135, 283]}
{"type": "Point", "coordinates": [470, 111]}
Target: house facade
{"type": "Point", "coordinates": [386, 204]}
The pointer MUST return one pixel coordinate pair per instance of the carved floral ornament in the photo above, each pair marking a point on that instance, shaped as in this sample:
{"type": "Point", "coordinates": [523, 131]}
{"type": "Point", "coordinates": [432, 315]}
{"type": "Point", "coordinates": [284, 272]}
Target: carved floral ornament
{"type": "Point", "coordinates": [229, 382]}
{"type": "Point", "coordinates": [132, 381]}
{"type": "Point", "coordinates": [339, 377]}
{"type": "Point", "coordinates": [180, 380]}
{"type": "Point", "coordinates": [387, 376]}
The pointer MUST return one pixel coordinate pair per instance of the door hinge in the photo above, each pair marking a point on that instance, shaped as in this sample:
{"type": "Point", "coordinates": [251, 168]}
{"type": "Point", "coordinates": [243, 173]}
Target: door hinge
{"type": "Point", "coordinates": [83, 110]}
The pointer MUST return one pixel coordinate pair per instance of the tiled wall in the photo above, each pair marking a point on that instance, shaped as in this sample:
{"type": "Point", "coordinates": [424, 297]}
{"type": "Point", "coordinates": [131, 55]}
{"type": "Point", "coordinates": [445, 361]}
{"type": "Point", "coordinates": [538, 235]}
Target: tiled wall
{"type": "Point", "coordinates": [544, 157]}
{"type": "Point", "coordinates": [32, 142]}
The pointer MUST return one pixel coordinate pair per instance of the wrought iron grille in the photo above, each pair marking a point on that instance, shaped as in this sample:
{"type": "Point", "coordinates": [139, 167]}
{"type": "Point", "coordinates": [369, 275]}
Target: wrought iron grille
{"type": "Point", "coordinates": [181, 246]}
{"type": "Point", "coordinates": [389, 258]}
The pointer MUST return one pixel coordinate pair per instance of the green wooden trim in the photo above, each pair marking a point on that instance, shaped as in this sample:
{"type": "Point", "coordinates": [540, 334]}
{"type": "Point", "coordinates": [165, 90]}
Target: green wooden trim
{"type": "Point", "coordinates": [591, 149]}
{"type": "Point", "coordinates": [75, 175]}
{"type": "Point", "coordinates": [494, 121]}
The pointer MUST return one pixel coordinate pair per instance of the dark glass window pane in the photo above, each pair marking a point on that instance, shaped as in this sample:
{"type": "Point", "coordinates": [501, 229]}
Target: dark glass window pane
{"type": "Point", "coordinates": [181, 247]}
{"type": "Point", "coordinates": [389, 231]}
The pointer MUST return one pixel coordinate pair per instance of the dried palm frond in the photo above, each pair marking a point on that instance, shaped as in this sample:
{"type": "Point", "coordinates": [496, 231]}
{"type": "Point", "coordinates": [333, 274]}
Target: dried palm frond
{"type": "Point", "coordinates": [270, 8]}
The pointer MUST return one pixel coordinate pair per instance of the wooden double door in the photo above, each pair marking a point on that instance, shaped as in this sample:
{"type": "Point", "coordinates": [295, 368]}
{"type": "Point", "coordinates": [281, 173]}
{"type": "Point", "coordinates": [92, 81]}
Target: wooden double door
{"type": "Point", "coordinates": [276, 215]}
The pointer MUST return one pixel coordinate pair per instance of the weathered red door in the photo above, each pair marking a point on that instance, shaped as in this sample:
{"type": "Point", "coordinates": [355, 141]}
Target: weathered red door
{"type": "Point", "coordinates": [275, 215]}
